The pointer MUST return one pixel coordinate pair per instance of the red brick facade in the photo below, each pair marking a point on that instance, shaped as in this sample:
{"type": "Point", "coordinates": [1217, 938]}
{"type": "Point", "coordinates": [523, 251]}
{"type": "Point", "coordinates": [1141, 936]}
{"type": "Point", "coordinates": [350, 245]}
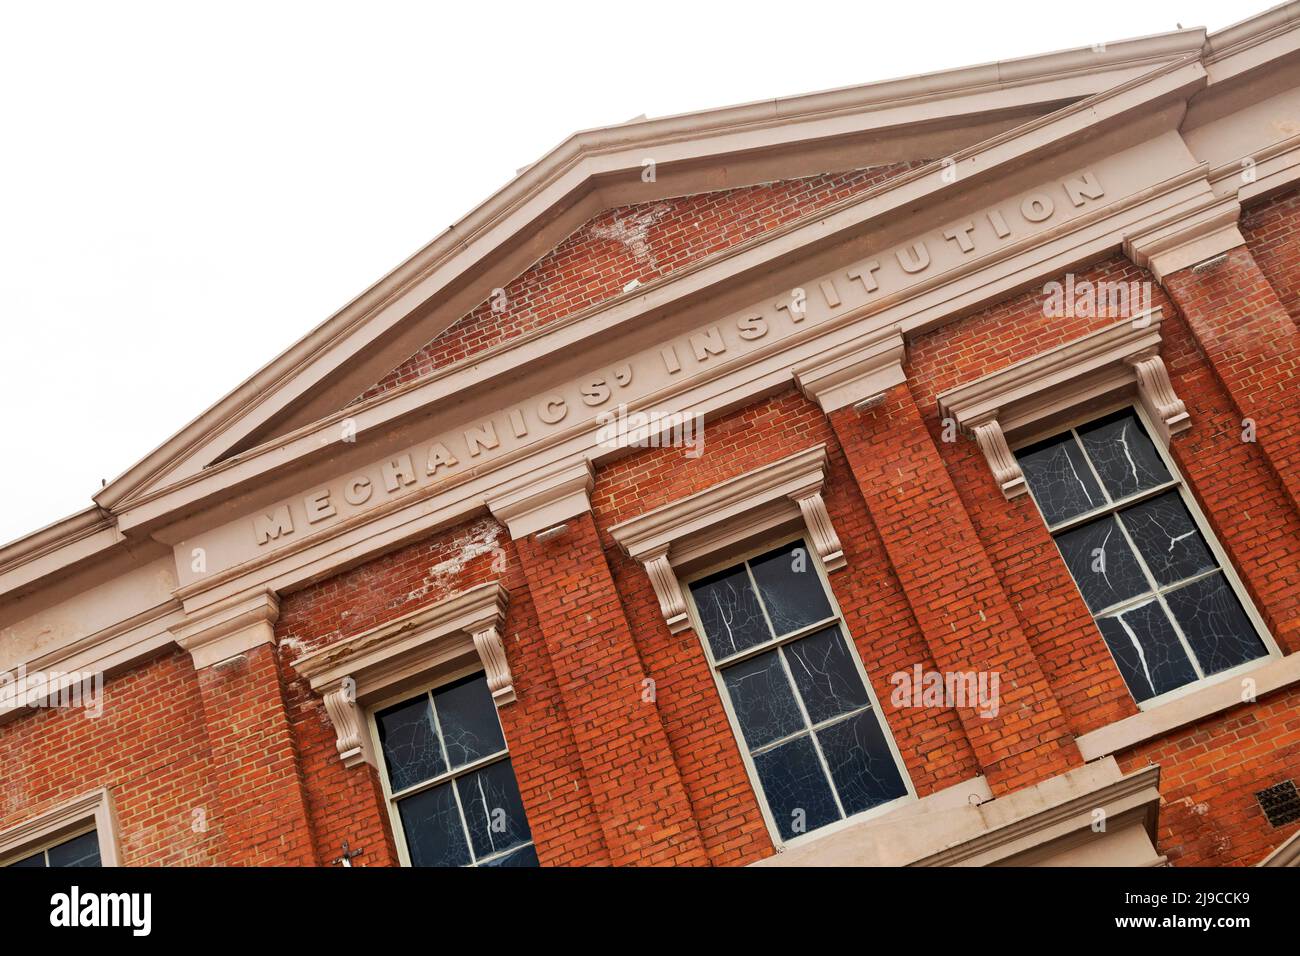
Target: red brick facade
{"type": "Point", "coordinates": [238, 765]}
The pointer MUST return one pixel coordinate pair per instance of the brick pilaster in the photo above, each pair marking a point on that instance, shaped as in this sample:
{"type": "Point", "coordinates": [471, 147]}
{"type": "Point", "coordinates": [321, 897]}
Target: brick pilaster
{"type": "Point", "coordinates": [635, 784]}
{"type": "Point", "coordinates": [1253, 346]}
{"type": "Point", "coordinates": [262, 815]}
{"type": "Point", "coordinates": [955, 595]}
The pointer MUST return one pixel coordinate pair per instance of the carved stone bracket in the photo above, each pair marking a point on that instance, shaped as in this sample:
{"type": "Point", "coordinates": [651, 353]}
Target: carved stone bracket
{"type": "Point", "coordinates": [824, 539]}
{"type": "Point", "coordinates": [349, 722]}
{"type": "Point", "coordinates": [1006, 470]}
{"type": "Point", "coordinates": [1157, 392]}
{"type": "Point", "coordinates": [667, 588]}
{"type": "Point", "coordinates": [692, 527]}
{"type": "Point", "coordinates": [359, 669]}
{"type": "Point", "coordinates": [1118, 359]}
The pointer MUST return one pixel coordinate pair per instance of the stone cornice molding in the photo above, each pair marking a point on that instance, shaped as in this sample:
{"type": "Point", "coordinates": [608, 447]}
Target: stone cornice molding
{"type": "Point", "coordinates": [539, 502]}
{"type": "Point", "coordinates": [1288, 854]}
{"type": "Point", "coordinates": [1134, 795]}
{"type": "Point", "coordinates": [1103, 362]}
{"type": "Point", "coordinates": [785, 489]}
{"type": "Point", "coordinates": [1188, 238]}
{"type": "Point", "coordinates": [574, 178]}
{"type": "Point", "coordinates": [229, 628]}
{"type": "Point", "coordinates": [855, 372]}
{"type": "Point", "coordinates": [497, 367]}
{"type": "Point", "coordinates": [357, 669]}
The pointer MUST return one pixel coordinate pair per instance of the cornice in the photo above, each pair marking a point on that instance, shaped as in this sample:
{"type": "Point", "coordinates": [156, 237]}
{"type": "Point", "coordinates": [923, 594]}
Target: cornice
{"type": "Point", "coordinates": [360, 668]}
{"type": "Point", "coordinates": [558, 175]}
{"type": "Point", "coordinates": [1288, 854]}
{"type": "Point", "coordinates": [539, 502]}
{"type": "Point", "coordinates": [1003, 392]}
{"type": "Point", "coordinates": [974, 165]}
{"type": "Point", "coordinates": [659, 528]}
{"type": "Point", "coordinates": [366, 656]}
{"type": "Point", "coordinates": [781, 490]}
{"type": "Point", "coordinates": [1104, 362]}
{"type": "Point", "coordinates": [229, 627]}
{"type": "Point", "coordinates": [1138, 792]}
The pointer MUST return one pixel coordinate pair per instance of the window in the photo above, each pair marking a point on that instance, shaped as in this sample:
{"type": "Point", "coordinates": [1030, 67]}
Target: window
{"type": "Point", "coordinates": [448, 775]}
{"type": "Point", "coordinates": [797, 693]}
{"type": "Point", "coordinates": [81, 850]}
{"type": "Point", "coordinates": [1148, 569]}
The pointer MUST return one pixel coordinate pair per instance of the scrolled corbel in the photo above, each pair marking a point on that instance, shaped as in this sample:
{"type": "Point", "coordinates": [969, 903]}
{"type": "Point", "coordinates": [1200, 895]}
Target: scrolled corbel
{"type": "Point", "coordinates": [1003, 464]}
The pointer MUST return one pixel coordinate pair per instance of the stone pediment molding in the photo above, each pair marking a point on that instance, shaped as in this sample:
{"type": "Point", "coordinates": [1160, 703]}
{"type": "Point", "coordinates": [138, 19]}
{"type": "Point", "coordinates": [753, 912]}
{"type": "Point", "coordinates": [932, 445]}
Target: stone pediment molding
{"type": "Point", "coordinates": [918, 117]}
{"type": "Point", "coordinates": [703, 522]}
{"type": "Point", "coordinates": [1105, 362]}
{"type": "Point", "coordinates": [350, 672]}
{"type": "Point", "coordinates": [886, 208]}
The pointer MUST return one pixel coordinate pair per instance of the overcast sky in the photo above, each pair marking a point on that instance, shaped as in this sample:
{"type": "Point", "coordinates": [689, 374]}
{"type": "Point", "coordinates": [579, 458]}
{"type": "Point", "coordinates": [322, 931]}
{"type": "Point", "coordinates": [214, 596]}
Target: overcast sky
{"type": "Point", "coordinates": [186, 189]}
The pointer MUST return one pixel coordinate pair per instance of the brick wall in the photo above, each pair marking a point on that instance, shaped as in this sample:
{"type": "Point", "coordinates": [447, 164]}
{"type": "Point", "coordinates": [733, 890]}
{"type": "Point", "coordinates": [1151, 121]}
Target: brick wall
{"type": "Point", "coordinates": [1272, 231]}
{"type": "Point", "coordinates": [640, 242]}
{"type": "Point", "coordinates": [148, 747]}
{"type": "Point", "coordinates": [903, 501]}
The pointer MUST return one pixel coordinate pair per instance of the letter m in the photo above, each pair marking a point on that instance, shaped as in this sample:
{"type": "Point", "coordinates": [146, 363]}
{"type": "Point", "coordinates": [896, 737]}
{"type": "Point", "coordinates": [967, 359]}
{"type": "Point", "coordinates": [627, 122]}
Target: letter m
{"type": "Point", "coordinates": [266, 527]}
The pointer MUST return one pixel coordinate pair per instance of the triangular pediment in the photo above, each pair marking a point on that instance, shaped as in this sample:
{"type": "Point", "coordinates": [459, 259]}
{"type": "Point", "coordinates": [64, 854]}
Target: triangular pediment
{"type": "Point", "coordinates": [627, 247]}
{"type": "Point", "coordinates": [593, 192]}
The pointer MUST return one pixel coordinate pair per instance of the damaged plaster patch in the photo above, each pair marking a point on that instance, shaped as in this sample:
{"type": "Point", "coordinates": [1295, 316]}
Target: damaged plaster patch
{"type": "Point", "coordinates": [482, 537]}
{"type": "Point", "coordinates": [633, 232]}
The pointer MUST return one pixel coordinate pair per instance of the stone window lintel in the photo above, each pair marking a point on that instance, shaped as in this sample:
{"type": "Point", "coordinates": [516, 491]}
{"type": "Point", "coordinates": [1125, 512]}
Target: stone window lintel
{"type": "Point", "coordinates": [361, 668]}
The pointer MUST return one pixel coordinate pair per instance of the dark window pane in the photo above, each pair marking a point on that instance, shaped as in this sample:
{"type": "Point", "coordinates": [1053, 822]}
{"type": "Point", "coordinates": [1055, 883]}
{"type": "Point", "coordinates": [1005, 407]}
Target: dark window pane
{"type": "Point", "coordinates": [790, 588]}
{"type": "Point", "coordinates": [1147, 650]}
{"type": "Point", "coordinates": [825, 676]}
{"type": "Point", "coordinates": [861, 763]}
{"type": "Point", "coordinates": [524, 856]}
{"type": "Point", "coordinates": [468, 720]}
{"type": "Point", "coordinates": [434, 835]}
{"type": "Point", "coordinates": [729, 612]}
{"type": "Point", "coordinates": [1059, 478]}
{"type": "Point", "coordinates": [493, 809]}
{"type": "Point", "coordinates": [796, 788]}
{"type": "Point", "coordinates": [1214, 624]}
{"type": "Point", "coordinates": [35, 860]}
{"type": "Point", "coordinates": [1123, 455]}
{"type": "Point", "coordinates": [1167, 538]}
{"type": "Point", "coordinates": [410, 743]}
{"type": "Point", "coordinates": [761, 696]}
{"type": "Point", "coordinates": [1102, 563]}
{"type": "Point", "coordinates": [79, 851]}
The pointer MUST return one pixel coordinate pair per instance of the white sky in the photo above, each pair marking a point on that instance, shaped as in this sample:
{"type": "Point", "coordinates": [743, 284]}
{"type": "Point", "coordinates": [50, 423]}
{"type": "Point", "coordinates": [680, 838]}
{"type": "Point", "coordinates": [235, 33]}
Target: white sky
{"type": "Point", "coordinates": [186, 189]}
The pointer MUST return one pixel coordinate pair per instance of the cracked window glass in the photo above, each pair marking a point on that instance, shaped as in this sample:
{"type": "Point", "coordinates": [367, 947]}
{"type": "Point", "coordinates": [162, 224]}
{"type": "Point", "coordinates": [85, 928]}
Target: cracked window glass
{"type": "Point", "coordinates": [729, 611]}
{"type": "Point", "coordinates": [1125, 458]}
{"type": "Point", "coordinates": [451, 779]}
{"type": "Point", "coordinates": [819, 748]}
{"type": "Point", "coordinates": [1166, 610]}
{"type": "Point", "coordinates": [1062, 483]}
